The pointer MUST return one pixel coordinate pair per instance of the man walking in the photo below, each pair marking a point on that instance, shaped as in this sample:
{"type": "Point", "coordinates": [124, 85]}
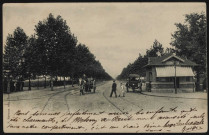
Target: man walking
{"type": "Point", "coordinates": [127, 86]}
{"type": "Point", "coordinates": [114, 86]}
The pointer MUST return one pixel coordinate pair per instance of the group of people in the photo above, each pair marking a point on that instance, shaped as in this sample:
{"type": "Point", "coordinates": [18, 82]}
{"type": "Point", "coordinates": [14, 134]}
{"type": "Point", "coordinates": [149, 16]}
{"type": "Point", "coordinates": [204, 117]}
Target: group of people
{"type": "Point", "coordinates": [88, 84]}
{"type": "Point", "coordinates": [121, 91]}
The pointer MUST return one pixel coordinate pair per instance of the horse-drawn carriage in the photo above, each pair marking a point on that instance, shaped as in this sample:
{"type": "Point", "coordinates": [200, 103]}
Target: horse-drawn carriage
{"type": "Point", "coordinates": [88, 85]}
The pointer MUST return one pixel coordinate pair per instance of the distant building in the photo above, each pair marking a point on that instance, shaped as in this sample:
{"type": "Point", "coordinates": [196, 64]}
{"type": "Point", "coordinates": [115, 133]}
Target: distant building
{"type": "Point", "coordinates": [161, 72]}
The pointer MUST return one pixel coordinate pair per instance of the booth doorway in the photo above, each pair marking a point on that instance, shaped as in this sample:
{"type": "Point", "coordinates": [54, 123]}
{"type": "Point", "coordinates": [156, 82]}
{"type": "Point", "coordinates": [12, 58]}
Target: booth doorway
{"type": "Point", "coordinates": [177, 82]}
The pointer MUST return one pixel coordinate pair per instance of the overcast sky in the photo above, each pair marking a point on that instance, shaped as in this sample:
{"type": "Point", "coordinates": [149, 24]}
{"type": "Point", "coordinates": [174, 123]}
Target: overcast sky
{"type": "Point", "coordinates": [114, 32]}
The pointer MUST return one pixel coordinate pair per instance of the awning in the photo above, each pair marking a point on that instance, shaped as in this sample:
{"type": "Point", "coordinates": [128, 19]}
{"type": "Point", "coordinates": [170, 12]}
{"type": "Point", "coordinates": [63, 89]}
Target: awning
{"type": "Point", "coordinates": [169, 71]}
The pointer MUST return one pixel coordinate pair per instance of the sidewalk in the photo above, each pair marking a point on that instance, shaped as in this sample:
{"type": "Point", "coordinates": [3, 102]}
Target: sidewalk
{"type": "Point", "coordinates": [195, 95]}
{"type": "Point", "coordinates": [35, 92]}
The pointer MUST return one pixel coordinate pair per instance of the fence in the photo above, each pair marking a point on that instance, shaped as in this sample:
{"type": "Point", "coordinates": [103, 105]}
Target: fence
{"type": "Point", "coordinates": [36, 83]}
{"type": "Point", "coordinates": [19, 85]}
{"type": "Point", "coordinates": [42, 83]}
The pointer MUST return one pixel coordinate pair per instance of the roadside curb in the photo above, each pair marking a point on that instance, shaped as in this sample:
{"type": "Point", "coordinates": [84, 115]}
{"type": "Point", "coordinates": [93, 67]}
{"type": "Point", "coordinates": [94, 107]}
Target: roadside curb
{"type": "Point", "coordinates": [169, 96]}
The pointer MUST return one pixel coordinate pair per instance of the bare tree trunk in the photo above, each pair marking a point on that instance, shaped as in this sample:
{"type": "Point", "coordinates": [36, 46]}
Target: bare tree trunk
{"type": "Point", "coordinates": [72, 82]}
{"type": "Point", "coordinates": [51, 83]}
{"type": "Point", "coordinates": [21, 86]}
{"type": "Point", "coordinates": [45, 82]}
{"type": "Point", "coordinates": [38, 82]}
{"type": "Point", "coordinates": [64, 82]}
{"type": "Point", "coordinates": [56, 79]}
{"type": "Point", "coordinates": [198, 82]}
{"type": "Point", "coordinates": [29, 84]}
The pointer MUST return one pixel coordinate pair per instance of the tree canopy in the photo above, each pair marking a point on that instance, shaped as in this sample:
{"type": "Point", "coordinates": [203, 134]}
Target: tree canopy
{"type": "Point", "coordinates": [86, 63]}
{"type": "Point", "coordinates": [52, 50]}
{"type": "Point", "coordinates": [137, 67]}
{"type": "Point", "coordinates": [16, 44]}
{"type": "Point", "coordinates": [155, 50]}
{"type": "Point", "coordinates": [189, 40]}
{"type": "Point", "coordinates": [56, 45]}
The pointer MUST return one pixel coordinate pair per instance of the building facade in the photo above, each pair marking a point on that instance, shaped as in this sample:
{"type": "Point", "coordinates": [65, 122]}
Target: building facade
{"type": "Point", "coordinates": [165, 73]}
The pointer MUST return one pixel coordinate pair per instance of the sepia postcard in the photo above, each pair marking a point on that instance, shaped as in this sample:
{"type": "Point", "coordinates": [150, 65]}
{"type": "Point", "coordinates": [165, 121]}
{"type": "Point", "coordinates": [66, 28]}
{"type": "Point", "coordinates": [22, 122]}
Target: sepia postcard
{"type": "Point", "coordinates": [105, 67]}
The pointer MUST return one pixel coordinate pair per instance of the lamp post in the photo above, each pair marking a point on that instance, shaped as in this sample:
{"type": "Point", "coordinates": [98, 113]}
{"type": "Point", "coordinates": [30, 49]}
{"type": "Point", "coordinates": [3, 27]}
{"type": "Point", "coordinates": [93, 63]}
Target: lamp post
{"type": "Point", "coordinates": [175, 76]}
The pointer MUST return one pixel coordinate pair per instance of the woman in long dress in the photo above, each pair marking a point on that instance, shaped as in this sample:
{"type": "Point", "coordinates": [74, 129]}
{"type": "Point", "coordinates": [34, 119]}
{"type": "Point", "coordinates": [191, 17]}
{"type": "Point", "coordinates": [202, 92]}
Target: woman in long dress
{"type": "Point", "coordinates": [122, 91]}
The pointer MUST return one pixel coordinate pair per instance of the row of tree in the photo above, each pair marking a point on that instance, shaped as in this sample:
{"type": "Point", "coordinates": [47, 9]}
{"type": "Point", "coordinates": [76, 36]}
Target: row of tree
{"type": "Point", "coordinates": [188, 41]}
{"type": "Point", "coordinates": [137, 67]}
{"type": "Point", "coordinates": [52, 50]}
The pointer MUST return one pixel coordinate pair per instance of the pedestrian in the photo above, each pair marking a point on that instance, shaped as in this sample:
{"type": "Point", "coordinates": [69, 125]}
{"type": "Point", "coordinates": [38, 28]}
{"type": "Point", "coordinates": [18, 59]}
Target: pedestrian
{"type": "Point", "coordinates": [149, 86]}
{"type": "Point", "coordinates": [79, 81]}
{"type": "Point", "coordinates": [87, 85]}
{"type": "Point", "coordinates": [127, 86]}
{"type": "Point", "coordinates": [72, 82]}
{"type": "Point", "coordinates": [122, 91]}
{"type": "Point", "coordinates": [15, 86]}
{"type": "Point", "coordinates": [84, 85]}
{"type": "Point", "coordinates": [114, 87]}
{"type": "Point", "coordinates": [81, 90]}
